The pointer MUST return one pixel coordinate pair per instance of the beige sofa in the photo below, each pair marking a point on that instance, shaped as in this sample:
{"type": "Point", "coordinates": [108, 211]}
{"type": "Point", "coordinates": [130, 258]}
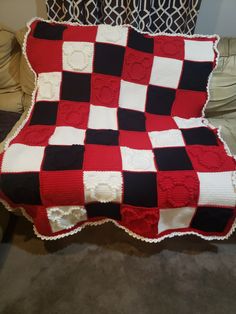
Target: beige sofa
{"type": "Point", "coordinates": [17, 84]}
{"type": "Point", "coordinates": [221, 109]}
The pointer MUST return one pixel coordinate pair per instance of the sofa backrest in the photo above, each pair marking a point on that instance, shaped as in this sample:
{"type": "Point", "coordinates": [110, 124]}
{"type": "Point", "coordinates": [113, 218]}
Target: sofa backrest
{"type": "Point", "coordinates": [223, 83]}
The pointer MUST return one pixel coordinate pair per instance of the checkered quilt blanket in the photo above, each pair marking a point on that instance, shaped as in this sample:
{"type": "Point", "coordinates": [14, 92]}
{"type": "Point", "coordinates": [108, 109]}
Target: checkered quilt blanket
{"type": "Point", "coordinates": [116, 132]}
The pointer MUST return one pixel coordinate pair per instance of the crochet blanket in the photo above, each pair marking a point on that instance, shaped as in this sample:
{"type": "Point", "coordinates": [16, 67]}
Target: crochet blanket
{"type": "Point", "coordinates": [116, 132]}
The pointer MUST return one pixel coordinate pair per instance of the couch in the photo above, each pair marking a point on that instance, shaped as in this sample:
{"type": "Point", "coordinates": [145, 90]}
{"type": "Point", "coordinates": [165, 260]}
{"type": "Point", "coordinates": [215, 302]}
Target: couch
{"type": "Point", "coordinates": [17, 83]}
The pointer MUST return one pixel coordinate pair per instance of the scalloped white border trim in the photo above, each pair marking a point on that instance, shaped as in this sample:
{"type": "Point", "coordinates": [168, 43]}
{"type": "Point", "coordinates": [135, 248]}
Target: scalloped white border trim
{"type": "Point", "coordinates": [100, 222]}
{"type": "Point", "coordinates": [133, 234]}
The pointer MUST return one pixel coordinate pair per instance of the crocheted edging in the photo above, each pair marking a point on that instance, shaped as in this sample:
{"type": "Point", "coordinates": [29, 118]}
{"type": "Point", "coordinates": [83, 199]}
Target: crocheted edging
{"type": "Point", "coordinates": [129, 232]}
{"type": "Point", "coordinates": [100, 222]}
{"type": "Point", "coordinates": [133, 234]}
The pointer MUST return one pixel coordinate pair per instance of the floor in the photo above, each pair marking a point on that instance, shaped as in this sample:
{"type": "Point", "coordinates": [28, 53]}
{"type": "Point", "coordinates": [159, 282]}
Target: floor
{"type": "Point", "coordinates": [104, 271]}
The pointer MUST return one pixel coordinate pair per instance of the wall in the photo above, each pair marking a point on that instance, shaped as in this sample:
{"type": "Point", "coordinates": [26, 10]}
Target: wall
{"type": "Point", "coordinates": [15, 13]}
{"type": "Point", "coordinates": [216, 16]}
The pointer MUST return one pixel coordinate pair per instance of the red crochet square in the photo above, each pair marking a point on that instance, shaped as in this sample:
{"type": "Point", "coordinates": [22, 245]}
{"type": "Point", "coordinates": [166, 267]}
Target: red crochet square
{"type": "Point", "coordinates": [169, 47]}
{"type": "Point", "coordinates": [133, 139]}
{"type": "Point", "coordinates": [32, 210]}
{"type": "Point", "coordinates": [1, 158]}
{"type": "Point", "coordinates": [32, 27]}
{"type": "Point", "coordinates": [102, 158]}
{"type": "Point", "coordinates": [77, 34]}
{"type": "Point", "coordinates": [72, 113]}
{"type": "Point", "coordinates": [140, 220]}
{"type": "Point", "coordinates": [188, 103]}
{"type": "Point", "coordinates": [210, 158]}
{"type": "Point", "coordinates": [35, 135]}
{"type": "Point", "coordinates": [159, 123]}
{"type": "Point", "coordinates": [177, 189]}
{"type": "Point", "coordinates": [62, 187]}
{"type": "Point", "coordinates": [41, 220]}
{"type": "Point", "coordinates": [48, 59]}
{"type": "Point", "coordinates": [105, 90]}
{"type": "Point", "coordinates": [137, 66]}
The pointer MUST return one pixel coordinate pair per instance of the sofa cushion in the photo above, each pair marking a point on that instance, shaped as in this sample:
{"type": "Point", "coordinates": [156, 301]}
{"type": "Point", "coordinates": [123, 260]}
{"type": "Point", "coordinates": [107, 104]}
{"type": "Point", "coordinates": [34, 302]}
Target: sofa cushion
{"type": "Point", "coordinates": [12, 101]}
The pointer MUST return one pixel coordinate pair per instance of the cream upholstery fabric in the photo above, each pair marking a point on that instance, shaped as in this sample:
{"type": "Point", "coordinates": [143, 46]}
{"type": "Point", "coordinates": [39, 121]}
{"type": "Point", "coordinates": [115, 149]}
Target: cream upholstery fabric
{"type": "Point", "coordinates": [27, 79]}
{"type": "Point", "coordinates": [10, 54]}
{"type": "Point", "coordinates": [223, 84]}
{"type": "Point", "coordinates": [11, 101]}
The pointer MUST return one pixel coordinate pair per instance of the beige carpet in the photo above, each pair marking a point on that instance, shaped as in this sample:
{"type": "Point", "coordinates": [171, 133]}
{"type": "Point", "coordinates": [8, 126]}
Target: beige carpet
{"type": "Point", "coordinates": [104, 271]}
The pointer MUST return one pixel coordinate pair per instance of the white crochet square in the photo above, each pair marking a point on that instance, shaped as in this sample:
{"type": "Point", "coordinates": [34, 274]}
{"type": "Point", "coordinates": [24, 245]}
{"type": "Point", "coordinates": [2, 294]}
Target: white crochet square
{"type": "Point", "coordinates": [65, 217]}
{"type": "Point", "coordinates": [103, 186]}
{"type": "Point", "coordinates": [166, 72]}
{"type": "Point", "coordinates": [132, 96]}
{"type": "Point", "coordinates": [64, 135]}
{"type": "Point", "coordinates": [19, 158]}
{"type": "Point", "coordinates": [175, 218]}
{"type": "Point", "coordinates": [49, 86]}
{"type": "Point", "coordinates": [137, 159]}
{"type": "Point", "coordinates": [188, 123]}
{"type": "Point", "coordinates": [216, 188]}
{"type": "Point", "coordinates": [78, 56]}
{"type": "Point", "coordinates": [168, 138]}
{"type": "Point", "coordinates": [102, 118]}
{"type": "Point", "coordinates": [199, 50]}
{"type": "Point", "coordinates": [112, 34]}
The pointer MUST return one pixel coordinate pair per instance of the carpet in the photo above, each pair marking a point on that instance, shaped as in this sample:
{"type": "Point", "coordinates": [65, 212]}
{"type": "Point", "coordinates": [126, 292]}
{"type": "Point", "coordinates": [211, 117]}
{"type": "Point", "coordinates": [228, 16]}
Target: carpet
{"type": "Point", "coordinates": [104, 271]}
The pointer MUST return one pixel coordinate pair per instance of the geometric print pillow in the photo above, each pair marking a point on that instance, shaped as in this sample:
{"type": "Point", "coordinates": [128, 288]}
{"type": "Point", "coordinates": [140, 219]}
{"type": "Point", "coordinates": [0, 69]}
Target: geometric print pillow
{"type": "Point", "coordinates": [116, 133]}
